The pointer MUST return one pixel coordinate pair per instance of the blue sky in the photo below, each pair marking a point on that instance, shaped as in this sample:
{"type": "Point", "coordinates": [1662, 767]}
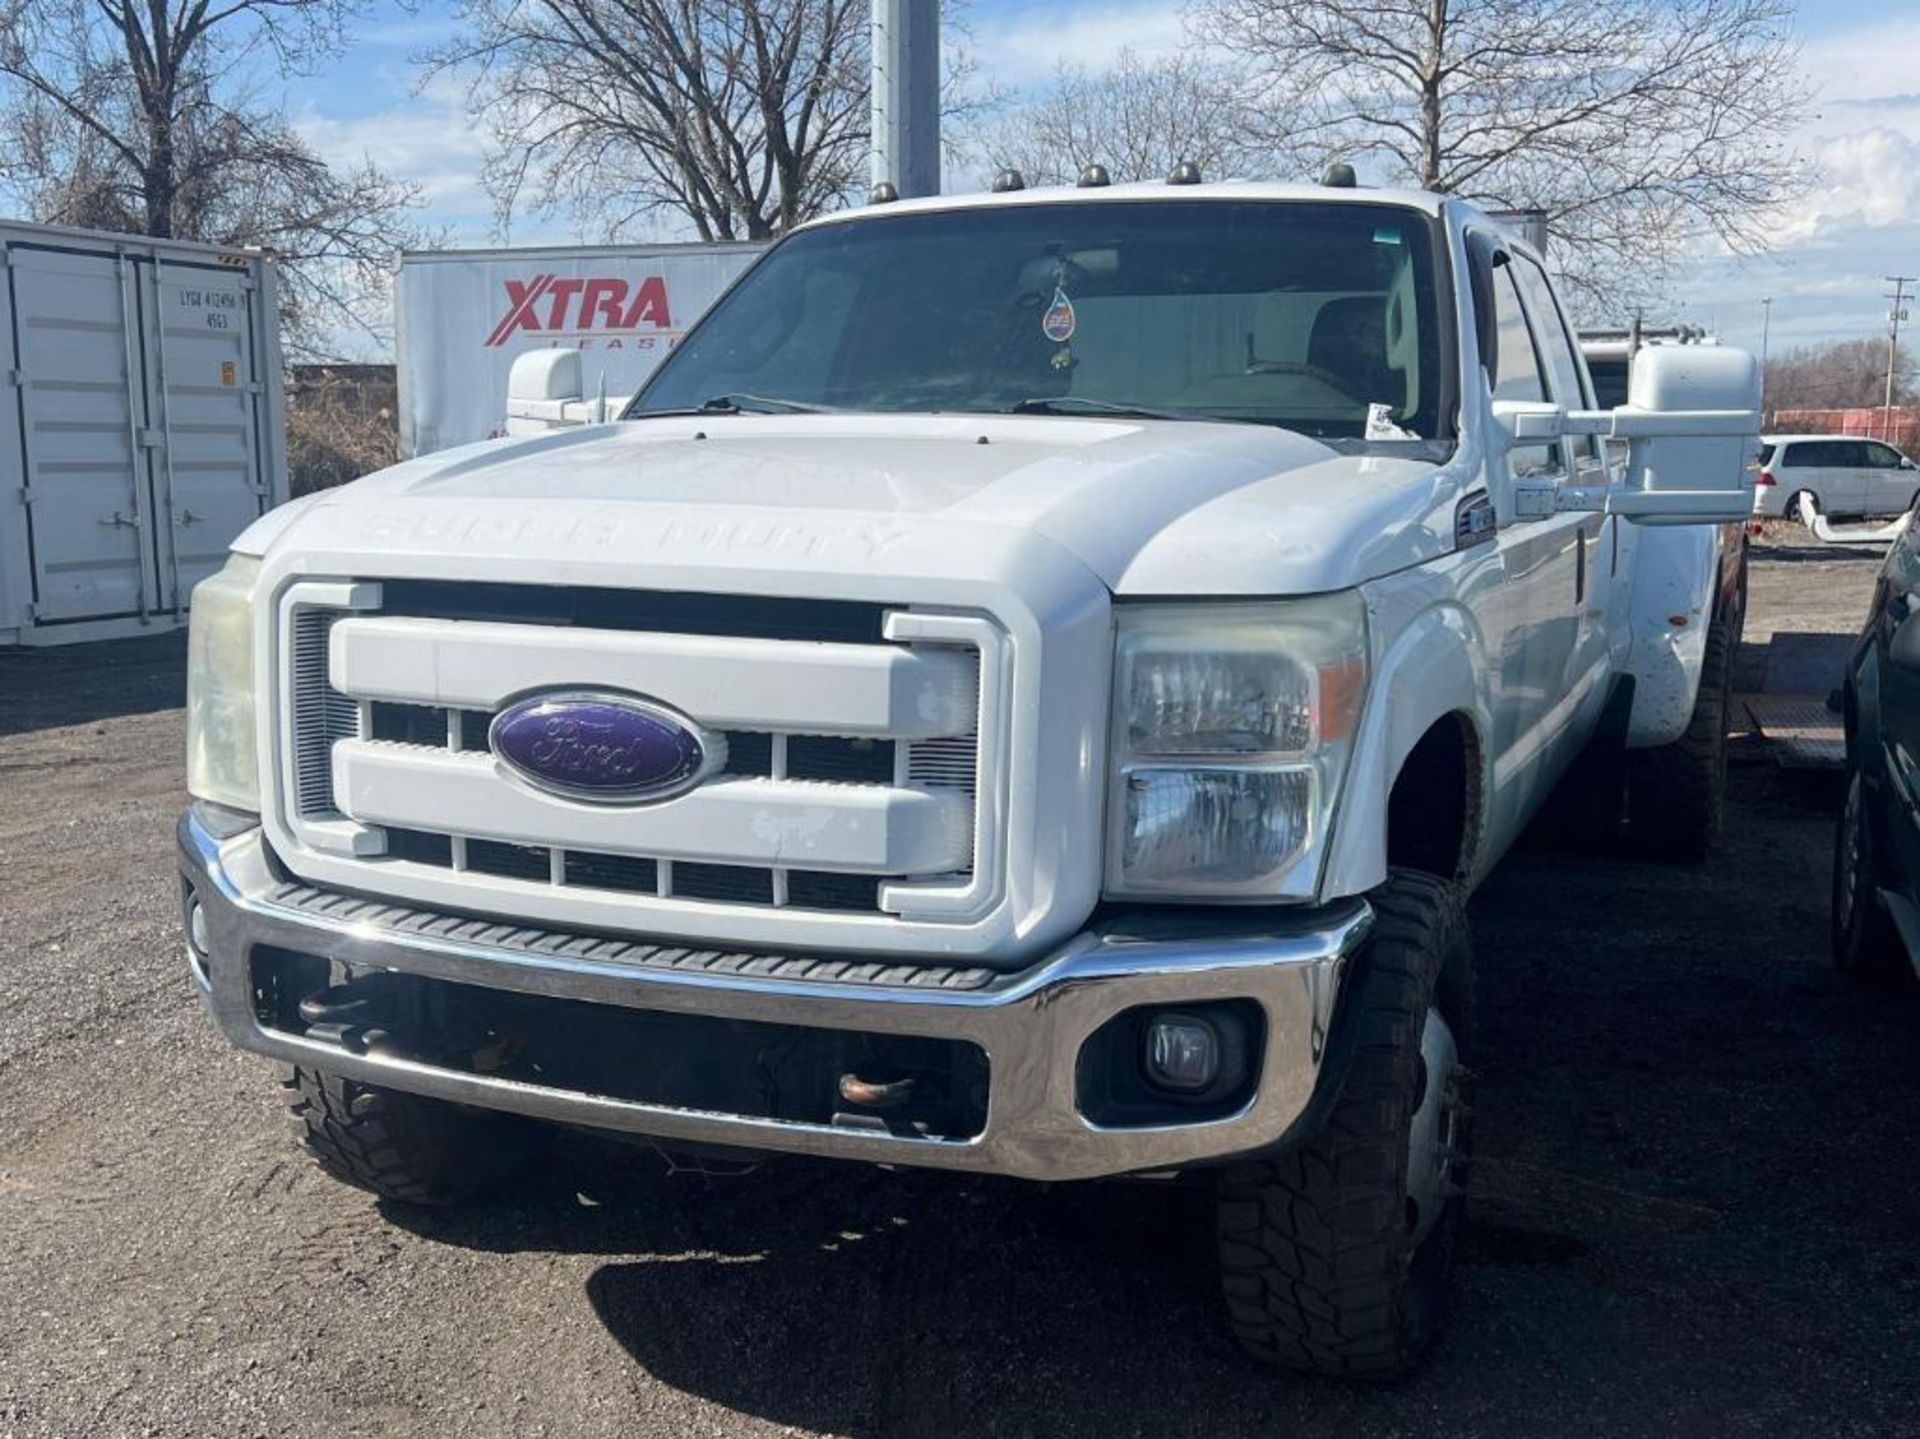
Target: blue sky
{"type": "Point", "coordinates": [1824, 274]}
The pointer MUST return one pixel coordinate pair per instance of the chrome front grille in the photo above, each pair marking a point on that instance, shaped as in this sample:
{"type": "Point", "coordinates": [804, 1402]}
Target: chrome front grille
{"type": "Point", "coordinates": [375, 765]}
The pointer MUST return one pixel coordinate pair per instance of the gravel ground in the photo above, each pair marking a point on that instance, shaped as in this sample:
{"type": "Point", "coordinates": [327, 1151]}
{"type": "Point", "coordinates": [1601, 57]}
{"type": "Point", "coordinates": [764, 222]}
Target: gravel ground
{"type": "Point", "coordinates": [1695, 1208]}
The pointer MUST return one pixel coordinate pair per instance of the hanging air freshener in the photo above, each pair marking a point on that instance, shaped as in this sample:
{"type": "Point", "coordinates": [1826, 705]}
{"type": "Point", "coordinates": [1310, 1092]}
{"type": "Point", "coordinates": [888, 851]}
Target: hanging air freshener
{"type": "Point", "coordinates": [1058, 322]}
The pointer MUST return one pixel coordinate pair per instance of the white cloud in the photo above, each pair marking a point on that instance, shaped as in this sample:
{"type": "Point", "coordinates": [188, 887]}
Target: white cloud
{"type": "Point", "coordinates": [426, 138]}
{"type": "Point", "coordinates": [1862, 178]}
{"type": "Point", "coordinates": [1869, 63]}
{"type": "Point", "coordinates": [1858, 222]}
{"type": "Point", "coordinates": [1026, 49]}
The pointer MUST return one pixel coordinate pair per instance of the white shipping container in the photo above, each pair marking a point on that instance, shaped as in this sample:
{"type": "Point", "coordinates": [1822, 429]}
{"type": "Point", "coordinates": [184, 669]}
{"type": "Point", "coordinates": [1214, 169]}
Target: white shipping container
{"type": "Point", "coordinates": [464, 316]}
{"type": "Point", "coordinates": [142, 425]}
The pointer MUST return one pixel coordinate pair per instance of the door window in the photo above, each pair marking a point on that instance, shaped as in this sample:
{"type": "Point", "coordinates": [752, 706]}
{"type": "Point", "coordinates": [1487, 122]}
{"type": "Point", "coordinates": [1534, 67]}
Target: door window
{"type": "Point", "coordinates": [1519, 374]}
{"type": "Point", "coordinates": [1570, 388]}
{"type": "Point", "coordinates": [1882, 457]}
{"type": "Point", "coordinates": [1516, 364]}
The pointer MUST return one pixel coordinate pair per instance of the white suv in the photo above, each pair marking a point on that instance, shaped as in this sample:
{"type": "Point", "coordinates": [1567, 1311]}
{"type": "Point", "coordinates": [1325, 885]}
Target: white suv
{"type": "Point", "coordinates": [1844, 474]}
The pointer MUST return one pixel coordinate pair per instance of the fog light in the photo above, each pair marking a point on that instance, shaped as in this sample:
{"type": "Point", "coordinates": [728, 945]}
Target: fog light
{"type": "Point", "coordinates": [1183, 1052]}
{"type": "Point", "coordinates": [197, 928]}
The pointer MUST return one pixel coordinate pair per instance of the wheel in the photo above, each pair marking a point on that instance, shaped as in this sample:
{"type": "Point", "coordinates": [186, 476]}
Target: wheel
{"type": "Point", "coordinates": [1866, 943]}
{"type": "Point", "coordinates": [1677, 793]}
{"type": "Point", "coordinates": [1803, 506]}
{"type": "Point", "coordinates": [405, 1146]}
{"type": "Point", "coordinates": [1335, 1253]}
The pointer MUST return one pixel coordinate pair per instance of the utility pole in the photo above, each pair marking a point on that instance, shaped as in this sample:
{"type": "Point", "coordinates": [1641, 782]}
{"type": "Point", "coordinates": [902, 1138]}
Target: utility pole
{"type": "Point", "coordinates": [906, 96]}
{"type": "Point", "coordinates": [1766, 333]}
{"type": "Point", "coordinates": [1894, 316]}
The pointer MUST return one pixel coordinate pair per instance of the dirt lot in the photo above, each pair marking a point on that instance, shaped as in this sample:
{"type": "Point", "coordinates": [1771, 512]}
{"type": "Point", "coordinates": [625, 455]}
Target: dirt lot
{"type": "Point", "coordinates": [1696, 1206]}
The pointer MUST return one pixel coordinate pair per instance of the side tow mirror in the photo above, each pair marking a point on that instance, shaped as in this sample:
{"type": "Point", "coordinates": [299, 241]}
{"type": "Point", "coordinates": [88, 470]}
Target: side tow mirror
{"type": "Point", "coordinates": [545, 392]}
{"type": "Point", "coordinates": [545, 375]}
{"type": "Point", "coordinates": [1692, 423]}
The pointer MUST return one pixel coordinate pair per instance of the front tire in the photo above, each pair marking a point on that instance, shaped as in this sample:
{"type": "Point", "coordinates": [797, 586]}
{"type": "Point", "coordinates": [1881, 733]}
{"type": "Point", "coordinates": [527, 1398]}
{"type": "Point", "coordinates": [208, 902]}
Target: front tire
{"type": "Point", "coordinates": [1335, 1254]}
{"type": "Point", "coordinates": [406, 1147]}
{"type": "Point", "coordinates": [1866, 944]}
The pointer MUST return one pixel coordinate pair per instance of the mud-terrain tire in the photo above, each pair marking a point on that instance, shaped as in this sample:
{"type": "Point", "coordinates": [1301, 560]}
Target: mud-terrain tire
{"type": "Point", "coordinates": [1866, 943]}
{"type": "Point", "coordinates": [1325, 1264]}
{"type": "Point", "coordinates": [1677, 793]}
{"type": "Point", "coordinates": [406, 1147]}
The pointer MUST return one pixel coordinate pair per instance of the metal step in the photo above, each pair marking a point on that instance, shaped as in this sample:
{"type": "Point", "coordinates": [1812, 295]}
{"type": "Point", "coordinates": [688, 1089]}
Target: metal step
{"type": "Point", "coordinates": [1799, 730]}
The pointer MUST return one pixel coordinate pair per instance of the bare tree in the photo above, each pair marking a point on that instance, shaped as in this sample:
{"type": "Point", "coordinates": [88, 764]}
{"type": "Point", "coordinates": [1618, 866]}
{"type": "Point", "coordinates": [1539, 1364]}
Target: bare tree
{"type": "Point", "coordinates": [1139, 118]}
{"type": "Point", "coordinates": [141, 115]}
{"type": "Point", "coordinates": [743, 116]}
{"type": "Point", "coordinates": [1844, 375]}
{"type": "Point", "coordinates": [1638, 125]}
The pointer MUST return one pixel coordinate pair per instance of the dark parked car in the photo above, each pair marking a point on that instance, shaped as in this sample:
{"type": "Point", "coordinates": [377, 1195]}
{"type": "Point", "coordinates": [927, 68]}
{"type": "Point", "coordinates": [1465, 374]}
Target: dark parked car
{"type": "Point", "coordinates": [1876, 857]}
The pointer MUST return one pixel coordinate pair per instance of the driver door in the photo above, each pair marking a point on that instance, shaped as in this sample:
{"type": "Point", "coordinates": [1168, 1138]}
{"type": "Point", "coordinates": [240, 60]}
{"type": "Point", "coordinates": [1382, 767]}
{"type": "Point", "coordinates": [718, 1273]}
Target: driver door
{"type": "Point", "coordinates": [1544, 562]}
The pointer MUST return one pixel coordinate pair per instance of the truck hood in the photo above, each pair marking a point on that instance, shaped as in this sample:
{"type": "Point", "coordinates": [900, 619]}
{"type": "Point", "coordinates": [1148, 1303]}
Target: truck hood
{"type": "Point", "coordinates": [1148, 507]}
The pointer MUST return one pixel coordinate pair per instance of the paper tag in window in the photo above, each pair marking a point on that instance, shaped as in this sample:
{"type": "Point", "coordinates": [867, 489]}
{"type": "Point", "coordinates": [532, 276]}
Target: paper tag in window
{"type": "Point", "coordinates": [1380, 425]}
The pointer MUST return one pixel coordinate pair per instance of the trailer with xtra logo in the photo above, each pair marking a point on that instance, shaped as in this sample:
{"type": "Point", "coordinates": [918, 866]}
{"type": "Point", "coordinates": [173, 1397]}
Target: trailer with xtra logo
{"type": "Point", "coordinates": [141, 425]}
{"type": "Point", "coordinates": [464, 317]}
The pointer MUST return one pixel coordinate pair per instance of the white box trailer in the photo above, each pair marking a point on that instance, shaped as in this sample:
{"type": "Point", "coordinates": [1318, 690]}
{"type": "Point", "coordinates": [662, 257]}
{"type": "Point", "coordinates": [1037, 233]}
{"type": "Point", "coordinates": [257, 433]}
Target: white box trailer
{"type": "Point", "coordinates": [142, 425]}
{"type": "Point", "coordinates": [462, 317]}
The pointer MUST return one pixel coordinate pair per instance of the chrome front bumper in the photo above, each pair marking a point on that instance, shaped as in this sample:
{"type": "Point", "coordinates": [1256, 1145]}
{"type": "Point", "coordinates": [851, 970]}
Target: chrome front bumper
{"type": "Point", "coordinates": [1031, 1023]}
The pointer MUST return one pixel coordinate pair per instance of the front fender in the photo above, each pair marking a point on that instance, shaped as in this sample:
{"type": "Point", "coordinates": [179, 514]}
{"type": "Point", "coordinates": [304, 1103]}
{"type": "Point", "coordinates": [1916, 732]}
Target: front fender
{"type": "Point", "coordinates": [1432, 666]}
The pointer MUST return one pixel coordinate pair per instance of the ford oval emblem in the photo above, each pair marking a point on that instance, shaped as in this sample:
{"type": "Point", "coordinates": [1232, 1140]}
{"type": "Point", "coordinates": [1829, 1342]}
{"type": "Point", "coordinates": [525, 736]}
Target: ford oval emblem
{"type": "Point", "coordinates": [611, 748]}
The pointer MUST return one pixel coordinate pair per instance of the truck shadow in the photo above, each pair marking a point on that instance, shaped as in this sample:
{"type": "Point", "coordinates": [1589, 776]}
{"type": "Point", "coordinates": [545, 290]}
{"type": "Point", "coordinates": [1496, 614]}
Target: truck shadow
{"type": "Point", "coordinates": [82, 684]}
{"type": "Point", "coordinates": [845, 1300]}
{"type": "Point", "coordinates": [839, 1299]}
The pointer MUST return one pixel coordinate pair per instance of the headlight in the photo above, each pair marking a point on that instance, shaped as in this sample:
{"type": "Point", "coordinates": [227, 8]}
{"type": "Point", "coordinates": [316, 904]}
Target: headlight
{"type": "Point", "coordinates": [223, 762]}
{"type": "Point", "coordinates": [1231, 730]}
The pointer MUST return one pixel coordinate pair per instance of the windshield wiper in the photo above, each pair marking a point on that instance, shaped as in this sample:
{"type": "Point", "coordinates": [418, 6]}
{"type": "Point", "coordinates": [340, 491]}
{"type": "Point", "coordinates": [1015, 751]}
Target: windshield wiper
{"type": "Point", "coordinates": [738, 404]}
{"type": "Point", "coordinates": [1077, 405]}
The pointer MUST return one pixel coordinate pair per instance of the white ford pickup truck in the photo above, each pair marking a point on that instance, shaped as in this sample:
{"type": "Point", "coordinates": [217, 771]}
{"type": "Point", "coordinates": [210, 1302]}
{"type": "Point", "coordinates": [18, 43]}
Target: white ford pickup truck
{"type": "Point", "coordinates": [1025, 688]}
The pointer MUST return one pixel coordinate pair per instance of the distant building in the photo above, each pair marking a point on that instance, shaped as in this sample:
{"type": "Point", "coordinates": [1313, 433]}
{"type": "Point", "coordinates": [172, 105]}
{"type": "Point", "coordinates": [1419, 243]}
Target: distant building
{"type": "Point", "coordinates": [1899, 426]}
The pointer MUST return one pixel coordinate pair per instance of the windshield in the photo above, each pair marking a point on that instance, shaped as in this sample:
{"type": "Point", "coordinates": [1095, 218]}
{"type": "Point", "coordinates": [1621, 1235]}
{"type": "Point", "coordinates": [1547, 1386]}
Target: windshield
{"type": "Point", "coordinates": [1318, 317]}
